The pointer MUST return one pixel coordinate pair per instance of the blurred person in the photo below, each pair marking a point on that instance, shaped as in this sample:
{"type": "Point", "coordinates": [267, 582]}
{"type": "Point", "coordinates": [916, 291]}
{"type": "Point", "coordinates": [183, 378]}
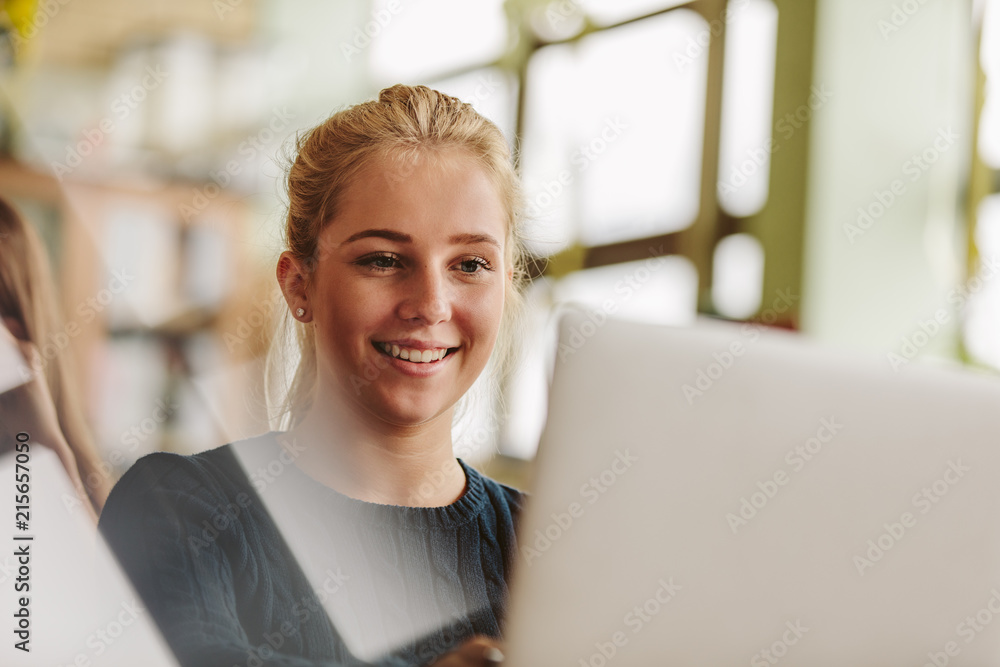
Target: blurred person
{"type": "Point", "coordinates": [355, 536]}
{"type": "Point", "coordinates": [48, 406]}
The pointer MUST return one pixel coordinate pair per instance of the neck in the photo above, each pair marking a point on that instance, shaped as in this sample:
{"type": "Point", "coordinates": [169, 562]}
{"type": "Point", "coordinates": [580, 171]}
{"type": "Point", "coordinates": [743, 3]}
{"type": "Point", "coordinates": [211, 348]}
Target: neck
{"type": "Point", "coordinates": [378, 462]}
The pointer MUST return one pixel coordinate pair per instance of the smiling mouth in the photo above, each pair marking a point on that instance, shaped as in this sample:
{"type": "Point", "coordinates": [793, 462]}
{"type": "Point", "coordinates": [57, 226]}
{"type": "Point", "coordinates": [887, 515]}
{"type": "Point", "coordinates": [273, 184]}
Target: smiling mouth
{"type": "Point", "coordinates": [412, 355]}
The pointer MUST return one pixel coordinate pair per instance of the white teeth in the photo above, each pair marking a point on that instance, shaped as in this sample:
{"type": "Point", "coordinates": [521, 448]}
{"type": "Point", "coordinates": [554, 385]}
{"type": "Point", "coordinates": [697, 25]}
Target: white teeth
{"type": "Point", "coordinates": [414, 356]}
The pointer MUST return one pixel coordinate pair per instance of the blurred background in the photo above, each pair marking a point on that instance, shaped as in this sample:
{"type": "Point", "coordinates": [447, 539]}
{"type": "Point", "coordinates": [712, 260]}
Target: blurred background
{"type": "Point", "coordinates": [826, 166]}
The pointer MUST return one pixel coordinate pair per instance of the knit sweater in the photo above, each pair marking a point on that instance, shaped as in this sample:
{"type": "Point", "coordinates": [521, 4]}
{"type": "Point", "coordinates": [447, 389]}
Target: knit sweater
{"type": "Point", "coordinates": [369, 584]}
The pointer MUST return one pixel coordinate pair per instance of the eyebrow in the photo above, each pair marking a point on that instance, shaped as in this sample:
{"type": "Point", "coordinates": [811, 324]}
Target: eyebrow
{"type": "Point", "coordinates": [399, 237]}
{"type": "Point", "coordinates": [381, 234]}
{"type": "Point", "coordinates": [472, 239]}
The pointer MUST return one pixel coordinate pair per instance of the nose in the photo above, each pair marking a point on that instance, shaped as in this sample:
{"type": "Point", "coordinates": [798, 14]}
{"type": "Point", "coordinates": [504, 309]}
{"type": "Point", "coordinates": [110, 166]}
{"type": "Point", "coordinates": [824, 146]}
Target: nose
{"type": "Point", "coordinates": [426, 299]}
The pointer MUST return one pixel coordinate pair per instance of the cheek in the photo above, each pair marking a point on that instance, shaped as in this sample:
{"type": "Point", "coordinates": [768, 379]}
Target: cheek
{"type": "Point", "coordinates": [340, 317]}
{"type": "Point", "coordinates": [484, 315]}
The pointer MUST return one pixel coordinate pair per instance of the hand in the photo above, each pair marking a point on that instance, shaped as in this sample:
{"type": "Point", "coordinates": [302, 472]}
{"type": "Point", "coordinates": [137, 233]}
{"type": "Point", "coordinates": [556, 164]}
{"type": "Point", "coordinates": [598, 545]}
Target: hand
{"type": "Point", "coordinates": [29, 408]}
{"type": "Point", "coordinates": [476, 652]}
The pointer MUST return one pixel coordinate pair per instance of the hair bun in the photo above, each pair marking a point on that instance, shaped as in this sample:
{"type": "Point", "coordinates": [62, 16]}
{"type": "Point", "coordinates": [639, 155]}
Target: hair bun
{"type": "Point", "coordinates": [401, 93]}
{"type": "Point", "coordinates": [427, 101]}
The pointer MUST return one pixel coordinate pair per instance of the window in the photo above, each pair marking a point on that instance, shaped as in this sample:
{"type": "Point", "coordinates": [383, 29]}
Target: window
{"type": "Point", "coordinates": [629, 125]}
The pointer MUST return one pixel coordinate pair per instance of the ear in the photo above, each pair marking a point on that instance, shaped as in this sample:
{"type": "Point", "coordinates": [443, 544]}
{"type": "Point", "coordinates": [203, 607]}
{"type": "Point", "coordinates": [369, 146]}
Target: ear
{"type": "Point", "coordinates": [292, 278]}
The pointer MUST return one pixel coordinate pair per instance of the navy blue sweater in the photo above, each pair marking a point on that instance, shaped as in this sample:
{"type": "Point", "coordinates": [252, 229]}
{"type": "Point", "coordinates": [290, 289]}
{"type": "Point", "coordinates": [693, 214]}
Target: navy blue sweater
{"type": "Point", "coordinates": [369, 584]}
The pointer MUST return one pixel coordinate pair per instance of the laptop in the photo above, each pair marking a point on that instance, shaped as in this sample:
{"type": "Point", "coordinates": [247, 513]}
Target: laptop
{"type": "Point", "coordinates": [723, 494]}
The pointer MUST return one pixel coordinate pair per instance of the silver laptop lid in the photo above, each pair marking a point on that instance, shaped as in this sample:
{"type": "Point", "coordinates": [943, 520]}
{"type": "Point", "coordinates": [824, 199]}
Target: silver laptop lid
{"type": "Point", "coordinates": [725, 495]}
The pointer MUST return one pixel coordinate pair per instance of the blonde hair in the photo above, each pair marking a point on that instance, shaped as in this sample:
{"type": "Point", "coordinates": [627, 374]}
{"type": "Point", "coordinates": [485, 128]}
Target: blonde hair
{"type": "Point", "coordinates": [404, 123]}
{"type": "Point", "coordinates": [28, 296]}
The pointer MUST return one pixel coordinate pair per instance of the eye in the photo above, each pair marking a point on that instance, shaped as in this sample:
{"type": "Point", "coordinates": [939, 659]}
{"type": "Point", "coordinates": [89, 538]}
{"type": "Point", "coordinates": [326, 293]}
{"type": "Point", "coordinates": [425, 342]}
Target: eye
{"type": "Point", "coordinates": [474, 265]}
{"type": "Point", "coordinates": [379, 261]}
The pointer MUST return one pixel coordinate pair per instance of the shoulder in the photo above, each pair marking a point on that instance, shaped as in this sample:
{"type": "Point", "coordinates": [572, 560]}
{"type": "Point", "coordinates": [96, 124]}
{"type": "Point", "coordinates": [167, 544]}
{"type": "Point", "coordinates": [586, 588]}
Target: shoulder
{"type": "Point", "coordinates": [508, 494]}
{"type": "Point", "coordinates": [164, 471]}
{"type": "Point", "coordinates": [164, 479]}
{"type": "Point", "coordinates": [498, 493]}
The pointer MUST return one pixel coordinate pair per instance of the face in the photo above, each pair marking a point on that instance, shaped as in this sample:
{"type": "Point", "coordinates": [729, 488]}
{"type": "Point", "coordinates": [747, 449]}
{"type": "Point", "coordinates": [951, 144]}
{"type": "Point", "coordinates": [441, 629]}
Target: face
{"type": "Point", "coordinates": [408, 290]}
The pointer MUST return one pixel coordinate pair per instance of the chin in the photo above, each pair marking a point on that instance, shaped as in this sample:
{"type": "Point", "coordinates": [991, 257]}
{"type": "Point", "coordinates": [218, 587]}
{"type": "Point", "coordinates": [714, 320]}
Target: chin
{"type": "Point", "coordinates": [409, 417]}
{"type": "Point", "coordinates": [406, 412]}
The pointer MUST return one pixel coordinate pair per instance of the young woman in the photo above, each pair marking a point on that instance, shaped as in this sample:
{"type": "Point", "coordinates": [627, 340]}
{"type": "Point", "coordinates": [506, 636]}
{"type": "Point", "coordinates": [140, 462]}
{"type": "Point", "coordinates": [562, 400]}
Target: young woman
{"type": "Point", "coordinates": [355, 537]}
{"type": "Point", "coordinates": [46, 403]}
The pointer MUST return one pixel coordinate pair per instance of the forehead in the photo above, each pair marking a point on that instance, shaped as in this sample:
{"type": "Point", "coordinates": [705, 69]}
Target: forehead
{"type": "Point", "coordinates": [422, 193]}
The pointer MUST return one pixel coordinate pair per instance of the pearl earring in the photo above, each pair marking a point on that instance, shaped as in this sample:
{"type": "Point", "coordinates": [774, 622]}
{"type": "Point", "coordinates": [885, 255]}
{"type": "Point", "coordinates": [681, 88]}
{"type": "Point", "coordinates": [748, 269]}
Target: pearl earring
{"type": "Point", "coordinates": [300, 312]}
